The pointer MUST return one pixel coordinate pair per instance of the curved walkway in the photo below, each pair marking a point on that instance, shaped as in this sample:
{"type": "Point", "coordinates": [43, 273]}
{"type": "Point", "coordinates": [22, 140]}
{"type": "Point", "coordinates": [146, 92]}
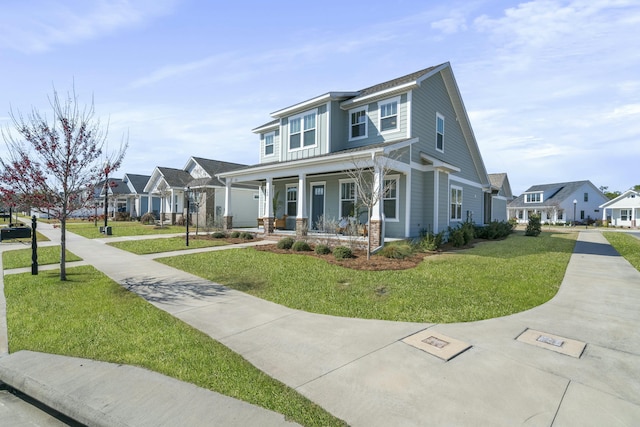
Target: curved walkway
{"type": "Point", "coordinates": [363, 372]}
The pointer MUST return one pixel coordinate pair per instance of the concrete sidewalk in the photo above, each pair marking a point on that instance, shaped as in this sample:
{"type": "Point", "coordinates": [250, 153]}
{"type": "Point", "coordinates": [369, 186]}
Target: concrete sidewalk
{"type": "Point", "coordinates": [365, 373]}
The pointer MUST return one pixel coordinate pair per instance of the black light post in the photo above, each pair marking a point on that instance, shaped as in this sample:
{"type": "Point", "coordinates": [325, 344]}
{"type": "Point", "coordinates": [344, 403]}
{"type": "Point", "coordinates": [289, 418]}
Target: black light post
{"type": "Point", "coordinates": [187, 194]}
{"type": "Point", "coordinates": [34, 247]}
{"type": "Point", "coordinates": [106, 202]}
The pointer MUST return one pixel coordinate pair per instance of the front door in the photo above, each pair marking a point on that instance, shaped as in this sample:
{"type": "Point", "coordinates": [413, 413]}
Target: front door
{"type": "Point", "coordinates": [317, 204]}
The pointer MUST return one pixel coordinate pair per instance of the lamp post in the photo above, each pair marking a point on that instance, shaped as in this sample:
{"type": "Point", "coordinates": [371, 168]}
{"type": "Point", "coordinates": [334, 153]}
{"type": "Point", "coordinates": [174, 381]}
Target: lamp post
{"type": "Point", "coordinates": [187, 193]}
{"type": "Point", "coordinates": [575, 202]}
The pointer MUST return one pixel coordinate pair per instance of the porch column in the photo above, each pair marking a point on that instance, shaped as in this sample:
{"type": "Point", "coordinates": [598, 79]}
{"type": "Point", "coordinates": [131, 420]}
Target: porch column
{"type": "Point", "coordinates": [150, 204]}
{"type": "Point", "coordinates": [227, 218]}
{"type": "Point", "coordinates": [268, 220]}
{"type": "Point", "coordinates": [302, 221]}
{"type": "Point", "coordinates": [375, 231]}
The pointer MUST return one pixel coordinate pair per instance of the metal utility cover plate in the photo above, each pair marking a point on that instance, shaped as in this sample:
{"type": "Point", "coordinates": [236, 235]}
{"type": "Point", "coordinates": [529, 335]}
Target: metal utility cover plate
{"type": "Point", "coordinates": [439, 345]}
{"type": "Point", "coordinates": [552, 342]}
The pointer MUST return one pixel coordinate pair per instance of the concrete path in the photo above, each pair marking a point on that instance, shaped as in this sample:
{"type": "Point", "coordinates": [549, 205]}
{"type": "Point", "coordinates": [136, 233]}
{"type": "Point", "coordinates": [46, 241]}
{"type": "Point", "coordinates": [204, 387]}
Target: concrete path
{"type": "Point", "coordinates": [363, 372]}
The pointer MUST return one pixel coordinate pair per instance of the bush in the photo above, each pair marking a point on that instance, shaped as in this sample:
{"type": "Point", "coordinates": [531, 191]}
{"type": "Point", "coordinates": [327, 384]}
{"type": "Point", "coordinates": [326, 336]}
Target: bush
{"type": "Point", "coordinates": [534, 227]}
{"type": "Point", "coordinates": [430, 241]}
{"type": "Point", "coordinates": [342, 252]}
{"type": "Point", "coordinates": [218, 235]}
{"type": "Point", "coordinates": [494, 230]}
{"type": "Point", "coordinates": [322, 249]}
{"type": "Point", "coordinates": [235, 235]}
{"type": "Point", "coordinates": [182, 221]}
{"type": "Point", "coordinates": [468, 232]}
{"type": "Point", "coordinates": [301, 246]}
{"type": "Point", "coordinates": [285, 243]}
{"type": "Point", "coordinates": [246, 235]}
{"type": "Point", "coordinates": [397, 251]}
{"type": "Point", "coordinates": [122, 216]}
{"type": "Point", "coordinates": [456, 236]}
{"type": "Point", "coordinates": [148, 218]}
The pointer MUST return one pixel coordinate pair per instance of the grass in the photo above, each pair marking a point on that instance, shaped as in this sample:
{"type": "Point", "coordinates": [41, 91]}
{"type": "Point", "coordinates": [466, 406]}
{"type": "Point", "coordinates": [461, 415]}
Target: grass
{"type": "Point", "coordinates": [122, 228]}
{"type": "Point", "coordinates": [153, 246]}
{"type": "Point", "coordinates": [626, 245]}
{"type": "Point", "coordinates": [493, 279]}
{"type": "Point", "coordinates": [92, 317]}
{"type": "Point", "coordinates": [20, 258]}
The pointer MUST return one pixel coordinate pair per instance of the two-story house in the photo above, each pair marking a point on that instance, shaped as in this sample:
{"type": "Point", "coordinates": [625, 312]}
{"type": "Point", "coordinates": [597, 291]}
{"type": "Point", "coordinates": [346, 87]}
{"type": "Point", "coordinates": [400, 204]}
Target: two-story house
{"type": "Point", "coordinates": [416, 126]}
{"type": "Point", "coordinates": [559, 203]}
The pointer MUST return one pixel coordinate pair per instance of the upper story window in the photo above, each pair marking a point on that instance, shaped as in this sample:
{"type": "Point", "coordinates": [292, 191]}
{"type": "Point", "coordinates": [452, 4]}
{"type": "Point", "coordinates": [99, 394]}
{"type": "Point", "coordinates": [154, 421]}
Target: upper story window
{"type": "Point", "coordinates": [358, 123]}
{"type": "Point", "coordinates": [389, 114]}
{"type": "Point", "coordinates": [456, 203]}
{"type": "Point", "coordinates": [439, 132]}
{"type": "Point", "coordinates": [533, 198]}
{"type": "Point", "coordinates": [268, 143]}
{"type": "Point", "coordinates": [586, 197]}
{"type": "Point", "coordinates": [390, 199]}
{"type": "Point", "coordinates": [302, 130]}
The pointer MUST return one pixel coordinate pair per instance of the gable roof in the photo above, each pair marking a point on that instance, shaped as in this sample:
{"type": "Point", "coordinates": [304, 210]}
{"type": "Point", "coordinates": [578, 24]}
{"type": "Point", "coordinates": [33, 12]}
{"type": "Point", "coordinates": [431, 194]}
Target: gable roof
{"type": "Point", "coordinates": [557, 192]}
{"type": "Point", "coordinates": [175, 177]}
{"type": "Point", "coordinates": [138, 182]}
{"type": "Point", "coordinates": [629, 193]}
{"type": "Point", "coordinates": [500, 181]}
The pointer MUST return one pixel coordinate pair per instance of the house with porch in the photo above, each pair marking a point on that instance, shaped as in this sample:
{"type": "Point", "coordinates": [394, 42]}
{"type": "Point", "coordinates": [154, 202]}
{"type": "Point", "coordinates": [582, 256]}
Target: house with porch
{"type": "Point", "coordinates": [559, 203]}
{"type": "Point", "coordinates": [137, 201]}
{"type": "Point", "coordinates": [414, 135]}
{"type": "Point", "coordinates": [197, 180]}
{"type": "Point", "coordinates": [623, 211]}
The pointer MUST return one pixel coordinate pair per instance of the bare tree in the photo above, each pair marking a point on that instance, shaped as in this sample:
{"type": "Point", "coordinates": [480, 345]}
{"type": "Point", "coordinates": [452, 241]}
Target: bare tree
{"type": "Point", "coordinates": [369, 190]}
{"type": "Point", "coordinates": [164, 191]}
{"type": "Point", "coordinates": [55, 164]}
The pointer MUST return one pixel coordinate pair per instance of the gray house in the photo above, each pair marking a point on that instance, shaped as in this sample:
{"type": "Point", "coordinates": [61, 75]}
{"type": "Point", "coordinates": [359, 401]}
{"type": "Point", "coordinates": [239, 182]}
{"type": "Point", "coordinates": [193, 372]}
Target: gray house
{"type": "Point", "coordinates": [413, 131]}
{"type": "Point", "coordinates": [559, 203]}
{"type": "Point", "coordinates": [500, 197]}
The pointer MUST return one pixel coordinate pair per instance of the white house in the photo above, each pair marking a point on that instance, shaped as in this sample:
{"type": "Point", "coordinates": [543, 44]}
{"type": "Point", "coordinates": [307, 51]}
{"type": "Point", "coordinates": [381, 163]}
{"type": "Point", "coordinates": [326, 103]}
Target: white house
{"type": "Point", "coordinates": [563, 202]}
{"type": "Point", "coordinates": [622, 211]}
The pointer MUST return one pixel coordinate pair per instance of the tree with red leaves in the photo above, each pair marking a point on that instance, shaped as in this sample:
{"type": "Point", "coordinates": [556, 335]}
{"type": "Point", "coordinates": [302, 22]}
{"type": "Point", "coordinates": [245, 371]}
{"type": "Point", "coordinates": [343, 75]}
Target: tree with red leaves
{"type": "Point", "coordinates": [54, 165]}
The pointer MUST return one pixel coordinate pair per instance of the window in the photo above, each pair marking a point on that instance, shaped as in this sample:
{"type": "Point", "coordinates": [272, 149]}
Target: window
{"type": "Point", "coordinates": [625, 214]}
{"type": "Point", "coordinates": [581, 214]}
{"type": "Point", "coordinates": [268, 143]}
{"type": "Point", "coordinates": [586, 197]}
{"type": "Point", "coordinates": [439, 132]}
{"type": "Point", "coordinates": [358, 124]}
{"type": "Point", "coordinates": [533, 197]}
{"type": "Point", "coordinates": [292, 201]}
{"type": "Point", "coordinates": [390, 199]}
{"type": "Point", "coordinates": [389, 115]}
{"type": "Point", "coordinates": [560, 215]}
{"type": "Point", "coordinates": [347, 199]}
{"type": "Point", "coordinates": [302, 130]}
{"type": "Point", "coordinates": [456, 203]}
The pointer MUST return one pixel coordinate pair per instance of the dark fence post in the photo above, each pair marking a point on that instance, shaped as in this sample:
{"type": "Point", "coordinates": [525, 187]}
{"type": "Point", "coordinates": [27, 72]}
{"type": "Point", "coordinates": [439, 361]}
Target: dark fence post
{"type": "Point", "coordinates": [34, 247]}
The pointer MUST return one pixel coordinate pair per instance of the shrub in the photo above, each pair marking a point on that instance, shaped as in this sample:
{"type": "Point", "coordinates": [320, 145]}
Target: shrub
{"type": "Point", "coordinates": [322, 249]}
{"type": "Point", "coordinates": [397, 251]}
{"type": "Point", "coordinates": [456, 236]}
{"type": "Point", "coordinates": [494, 230]}
{"type": "Point", "coordinates": [246, 235]}
{"type": "Point", "coordinates": [301, 246]}
{"type": "Point", "coordinates": [182, 221]}
{"type": "Point", "coordinates": [148, 218]}
{"type": "Point", "coordinates": [235, 234]}
{"type": "Point", "coordinates": [534, 226]}
{"type": "Point", "coordinates": [342, 252]}
{"type": "Point", "coordinates": [218, 235]}
{"type": "Point", "coordinates": [285, 243]}
{"type": "Point", "coordinates": [122, 216]}
{"type": "Point", "coordinates": [468, 232]}
{"type": "Point", "coordinates": [430, 241]}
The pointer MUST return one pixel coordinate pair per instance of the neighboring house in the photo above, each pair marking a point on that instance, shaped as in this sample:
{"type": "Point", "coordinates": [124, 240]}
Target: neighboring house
{"type": "Point", "coordinates": [137, 201]}
{"type": "Point", "coordinates": [416, 124]}
{"type": "Point", "coordinates": [117, 197]}
{"type": "Point", "coordinates": [499, 197]}
{"type": "Point", "coordinates": [207, 194]}
{"type": "Point", "coordinates": [564, 202]}
{"type": "Point", "coordinates": [623, 211]}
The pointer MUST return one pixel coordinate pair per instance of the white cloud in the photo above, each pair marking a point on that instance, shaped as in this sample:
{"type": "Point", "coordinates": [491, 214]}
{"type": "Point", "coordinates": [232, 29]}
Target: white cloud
{"type": "Point", "coordinates": [454, 23]}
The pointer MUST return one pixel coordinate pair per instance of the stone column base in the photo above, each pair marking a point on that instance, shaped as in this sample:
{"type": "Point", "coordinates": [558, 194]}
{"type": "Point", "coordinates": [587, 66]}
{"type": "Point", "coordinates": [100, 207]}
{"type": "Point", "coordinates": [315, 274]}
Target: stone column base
{"type": "Point", "coordinates": [302, 227]}
{"type": "Point", "coordinates": [227, 222]}
{"type": "Point", "coordinates": [269, 225]}
{"type": "Point", "coordinates": [376, 234]}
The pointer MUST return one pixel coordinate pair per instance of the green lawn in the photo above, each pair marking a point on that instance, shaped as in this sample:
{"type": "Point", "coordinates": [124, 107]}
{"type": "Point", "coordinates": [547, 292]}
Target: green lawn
{"type": "Point", "coordinates": [626, 245]}
{"type": "Point", "coordinates": [122, 228]}
{"type": "Point", "coordinates": [20, 258]}
{"type": "Point", "coordinates": [92, 317]}
{"type": "Point", "coordinates": [493, 279]}
{"type": "Point", "coordinates": [165, 245]}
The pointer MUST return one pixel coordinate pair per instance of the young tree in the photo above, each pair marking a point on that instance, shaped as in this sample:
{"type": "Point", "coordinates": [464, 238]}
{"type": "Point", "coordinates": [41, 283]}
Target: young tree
{"type": "Point", "coordinates": [369, 190]}
{"type": "Point", "coordinates": [54, 164]}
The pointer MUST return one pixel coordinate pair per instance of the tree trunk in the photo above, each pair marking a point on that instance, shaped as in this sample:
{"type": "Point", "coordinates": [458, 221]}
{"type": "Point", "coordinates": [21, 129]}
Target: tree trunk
{"type": "Point", "coordinates": [63, 248]}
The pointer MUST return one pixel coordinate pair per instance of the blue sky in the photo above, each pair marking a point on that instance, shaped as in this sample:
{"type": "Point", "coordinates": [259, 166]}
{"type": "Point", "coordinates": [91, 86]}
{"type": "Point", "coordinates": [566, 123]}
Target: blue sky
{"type": "Point", "coordinates": [552, 88]}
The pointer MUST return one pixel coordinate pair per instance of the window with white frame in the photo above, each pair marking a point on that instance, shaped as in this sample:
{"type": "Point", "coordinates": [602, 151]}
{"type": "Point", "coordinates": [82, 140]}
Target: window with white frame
{"type": "Point", "coordinates": [292, 200]}
{"type": "Point", "coordinates": [358, 123]}
{"type": "Point", "coordinates": [302, 130]}
{"type": "Point", "coordinates": [533, 198]}
{"type": "Point", "coordinates": [389, 114]}
{"type": "Point", "coordinates": [456, 203]}
{"type": "Point", "coordinates": [268, 143]}
{"type": "Point", "coordinates": [390, 198]}
{"type": "Point", "coordinates": [439, 132]}
{"type": "Point", "coordinates": [625, 214]}
{"type": "Point", "coordinates": [347, 199]}
{"type": "Point", "coordinates": [560, 215]}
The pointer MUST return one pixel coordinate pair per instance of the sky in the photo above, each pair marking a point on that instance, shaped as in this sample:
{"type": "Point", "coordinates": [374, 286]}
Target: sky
{"type": "Point", "coordinates": [552, 88]}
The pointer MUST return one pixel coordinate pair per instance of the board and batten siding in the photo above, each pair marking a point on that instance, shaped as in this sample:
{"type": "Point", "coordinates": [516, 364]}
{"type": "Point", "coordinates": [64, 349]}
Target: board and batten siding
{"type": "Point", "coordinates": [321, 138]}
{"type": "Point", "coordinates": [427, 100]}
{"type": "Point", "coordinates": [276, 148]}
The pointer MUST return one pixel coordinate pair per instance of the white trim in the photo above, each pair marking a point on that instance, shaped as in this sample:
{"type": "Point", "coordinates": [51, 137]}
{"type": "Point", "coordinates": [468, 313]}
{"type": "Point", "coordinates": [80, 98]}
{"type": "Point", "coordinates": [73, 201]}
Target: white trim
{"type": "Point", "coordinates": [382, 102]}
{"type": "Point", "coordinates": [455, 187]}
{"type": "Point", "coordinates": [357, 100]}
{"type": "Point", "coordinates": [301, 117]}
{"type": "Point", "coordinates": [311, 197]}
{"type": "Point", "coordinates": [436, 200]}
{"type": "Point", "coordinates": [263, 128]}
{"type": "Point", "coordinates": [322, 99]}
{"type": "Point", "coordinates": [395, 178]}
{"type": "Point", "coordinates": [466, 181]}
{"type": "Point", "coordinates": [273, 144]}
{"type": "Point", "coordinates": [440, 116]}
{"type": "Point", "coordinates": [364, 108]}
{"type": "Point", "coordinates": [407, 204]}
{"type": "Point", "coordinates": [409, 107]}
{"type": "Point", "coordinates": [328, 107]}
{"type": "Point", "coordinates": [286, 198]}
{"type": "Point", "coordinates": [340, 199]}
